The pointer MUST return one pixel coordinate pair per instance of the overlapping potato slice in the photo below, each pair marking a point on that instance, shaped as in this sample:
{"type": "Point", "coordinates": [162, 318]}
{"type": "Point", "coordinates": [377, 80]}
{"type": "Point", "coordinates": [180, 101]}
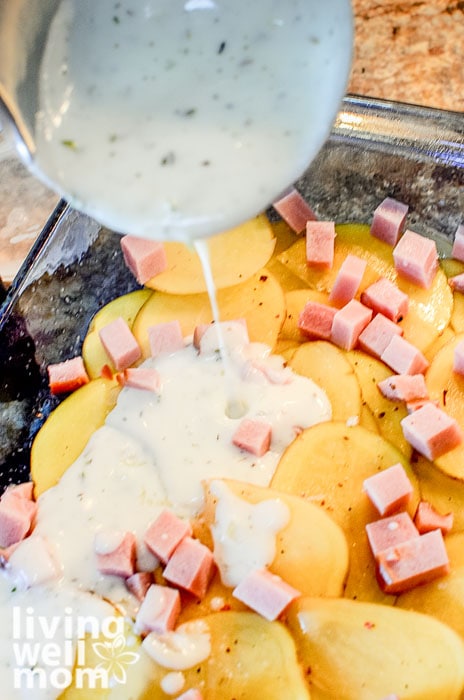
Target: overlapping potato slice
{"type": "Point", "coordinates": [363, 651]}
{"type": "Point", "coordinates": [327, 464]}
{"type": "Point", "coordinates": [387, 414]}
{"type": "Point", "coordinates": [327, 365]}
{"type": "Point", "coordinates": [234, 256]}
{"type": "Point", "coordinates": [259, 300]}
{"type": "Point", "coordinates": [250, 658]}
{"type": "Point", "coordinates": [311, 551]}
{"type": "Point", "coordinates": [429, 309]}
{"type": "Point", "coordinates": [126, 307]}
{"type": "Point", "coordinates": [447, 387]}
{"type": "Point", "coordinates": [67, 430]}
{"type": "Point", "coordinates": [442, 491]}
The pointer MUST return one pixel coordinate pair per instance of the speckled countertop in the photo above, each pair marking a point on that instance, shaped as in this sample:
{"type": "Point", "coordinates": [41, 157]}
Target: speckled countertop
{"type": "Point", "coordinates": [407, 51]}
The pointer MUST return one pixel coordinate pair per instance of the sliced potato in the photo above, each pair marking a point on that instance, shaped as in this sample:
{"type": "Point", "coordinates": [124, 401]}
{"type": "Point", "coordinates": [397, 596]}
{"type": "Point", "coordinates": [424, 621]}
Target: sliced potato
{"type": "Point", "coordinates": [444, 492]}
{"type": "Point", "coordinates": [439, 342]}
{"type": "Point", "coordinates": [286, 348]}
{"type": "Point", "coordinates": [363, 651]}
{"type": "Point", "coordinates": [126, 307]}
{"type": "Point", "coordinates": [295, 301]}
{"type": "Point", "coordinates": [287, 280]}
{"type": "Point", "coordinates": [328, 367]}
{"type": "Point", "coordinates": [284, 235]}
{"type": "Point", "coordinates": [327, 464]}
{"type": "Point", "coordinates": [67, 430]}
{"type": "Point", "coordinates": [234, 257]}
{"type": "Point", "coordinates": [259, 300]}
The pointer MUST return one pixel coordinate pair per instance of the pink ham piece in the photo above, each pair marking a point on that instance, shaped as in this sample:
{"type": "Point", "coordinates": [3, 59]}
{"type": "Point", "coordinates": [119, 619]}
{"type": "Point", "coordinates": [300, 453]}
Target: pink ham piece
{"type": "Point", "coordinates": [165, 534]}
{"type": "Point", "coordinates": [67, 376]}
{"type": "Point", "coordinates": [390, 531]}
{"type": "Point", "coordinates": [348, 323]}
{"type": "Point", "coordinates": [348, 279]}
{"type": "Point", "coordinates": [159, 610]}
{"type": "Point", "coordinates": [416, 561]}
{"type": "Point", "coordinates": [254, 436]}
{"type": "Point", "coordinates": [165, 337]}
{"type": "Point", "coordinates": [389, 220]}
{"type": "Point", "coordinates": [320, 241]}
{"type": "Point", "coordinates": [427, 519]}
{"type": "Point", "coordinates": [24, 490]}
{"type": "Point", "coordinates": [389, 490]}
{"type": "Point", "coordinates": [192, 694]}
{"type": "Point", "coordinates": [139, 583]}
{"type": "Point", "coordinates": [404, 387]}
{"type": "Point", "coordinates": [458, 243]}
{"type": "Point", "coordinates": [416, 258]}
{"type": "Point", "coordinates": [198, 334]}
{"type": "Point", "coordinates": [377, 335]}
{"type": "Point", "coordinates": [457, 283]}
{"type": "Point", "coordinates": [16, 519]}
{"type": "Point", "coordinates": [265, 593]}
{"type": "Point", "coordinates": [146, 378]}
{"type": "Point", "coordinates": [294, 210]}
{"type": "Point", "coordinates": [386, 298]}
{"type": "Point", "coordinates": [412, 406]}
{"type": "Point", "coordinates": [403, 357]}
{"type": "Point", "coordinates": [143, 257]}
{"type": "Point", "coordinates": [120, 343]}
{"type": "Point", "coordinates": [431, 431]}
{"type": "Point", "coordinates": [190, 567]}
{"type": "Point", "coordinates": [315, 321]}
{"type": "Point", "coordinates": [115, 553]}
{"type": "Point", "coordinates": [458, 358]}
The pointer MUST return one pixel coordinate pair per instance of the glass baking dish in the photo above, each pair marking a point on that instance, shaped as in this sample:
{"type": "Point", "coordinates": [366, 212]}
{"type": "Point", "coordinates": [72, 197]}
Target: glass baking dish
{"type": "Point", "coordinates": [376, 149]}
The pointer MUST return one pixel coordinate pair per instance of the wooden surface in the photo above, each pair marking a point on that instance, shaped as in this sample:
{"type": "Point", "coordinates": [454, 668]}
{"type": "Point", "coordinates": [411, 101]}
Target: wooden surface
{"type": "Point", "coordinates": [408, 51]}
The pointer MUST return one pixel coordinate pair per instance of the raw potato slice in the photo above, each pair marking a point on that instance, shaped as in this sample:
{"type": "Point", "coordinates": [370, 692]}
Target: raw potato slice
{"type": "Point", "coordinates": [286, 348]}
{"type": "Point", "coordinates": [259, 300]}
{"type": "Point", "coordinates": [234, 257]}
{"type": "Point", "coordinates": [362, 651]}
{"type": "Point", "coordinates": [447, 387]}
{"type": "Point", "coordinates": [127, 306]}
{"type": "Point", "coordinates": [328, 367]}
{"type": "Point", "coordinates": [444, 597]}
{"type": "Point", "coordinates": [447, 335]}
{"type": "Point", "coordinates": [295, 301]}
{"type": "Point", "coordinates": [387, 414]}
{"type": "Point", "coordinates": [444, 492]}
{"type": "Point", "coordinates": [314, 565]}
{"type": "Point", "coordinates": [287, 280]}
{"type": "Point", "coordinates": [327, 464]}
{"type": "Point", "coordinates": [67, 430]}
{"type": "Point", "coordinates": [452, 267]}
{"type": "Point", "coordinates": [429, 309]}
{"type": "Point", "coordinates": [284, 235]}
{"type": "Point", "coordinates": [250, 659]}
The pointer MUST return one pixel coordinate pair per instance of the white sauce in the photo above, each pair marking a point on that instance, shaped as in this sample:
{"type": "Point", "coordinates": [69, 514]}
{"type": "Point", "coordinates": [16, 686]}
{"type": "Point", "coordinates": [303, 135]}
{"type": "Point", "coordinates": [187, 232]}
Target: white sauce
{"type": "Point", "coordinates": [244, 534]}
{"type": "Point", "coordinates": [172, 683]}
{"type": "Point", "coordinates": [183, 118]}
{"type": "Point", "coordinates": [188, 645]}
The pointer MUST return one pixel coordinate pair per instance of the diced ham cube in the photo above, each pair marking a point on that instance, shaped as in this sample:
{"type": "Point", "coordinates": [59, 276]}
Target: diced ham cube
{"type": "Point", "coordinates": [15, 519]}
{"type": "Point", "coordinates": [427, 519]}
{"type": "Point", "coordinates": [253, 436]}
{"type": "Point", "coordinates": [457, 283]}
{"type": "Point", "coordinates": [458, 359]}
{"type": "Point", "coordinates": [431, 431]}
{"type": "Point", "coordinates": [165, 337]}
{"type": "Point", "coordinates": [139, 583]}
{"type": "Point", "coordinates": [34, 561]}
{"type": "Point", "coordinates": [408, 564]}
{"type": "Point", "coordinates": [389, 490]}
{"type": "Point", "coordinates": [67, 376]}
{"type": "Point", "coordinates": [146, 378]}
{"type": "Point", "coordinates": [416, 258]}
{"type": "Point", "coordinates": [294, 210]}
{"type": "Point", "coordinates": [198, 334]}
{"type": "Point", "coordinates": [348, 324]}
{"type": "Point", "coordinates": [159, 610]}
{"type": "Point", "coordinates": [120, 344]}
{"type": "Point", "coordinates": [190, 567]}
{"type": "Point", "coordinates": [386, 298]}
{"type": "Point", "coordinates": [320, 240]}
{"type": "Point", "coordinates": [458, 243]}
{"type": "Point", "coordinates": [143, 257]}
{"type": "Point", "coordinates": [23, 490]}
{"type": "Point", "coordinates": [412, 406]}
{"type": "Point", "coordinates": [265, 593]}
{"type": "Point", "coordinates": [377, 335]}
{"type": "Point", "coordinates": [192, 694]}
{"type": "Point", "coordinates": [348, 280]}
{"type": "Point", "coordinates": [315, 321]}
{"type": "Point", "coordinates": [403, 357]}
{"type": "Point", "coordinates": [116, 553]}
{"type": "Point", "coordinates": [390, 531]}
{"type": "Point", "coordinates": [404, 387]}
{"type": "Point", "coordinates": [389, 220]}
{"type": "Point", "coordinates": [165, 534]}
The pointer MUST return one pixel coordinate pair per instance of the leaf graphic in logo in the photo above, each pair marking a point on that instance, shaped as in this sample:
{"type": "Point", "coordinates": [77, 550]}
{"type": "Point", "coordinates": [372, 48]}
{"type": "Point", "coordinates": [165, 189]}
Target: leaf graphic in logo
{"type": "Point", "coordinates": [115, 658]}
